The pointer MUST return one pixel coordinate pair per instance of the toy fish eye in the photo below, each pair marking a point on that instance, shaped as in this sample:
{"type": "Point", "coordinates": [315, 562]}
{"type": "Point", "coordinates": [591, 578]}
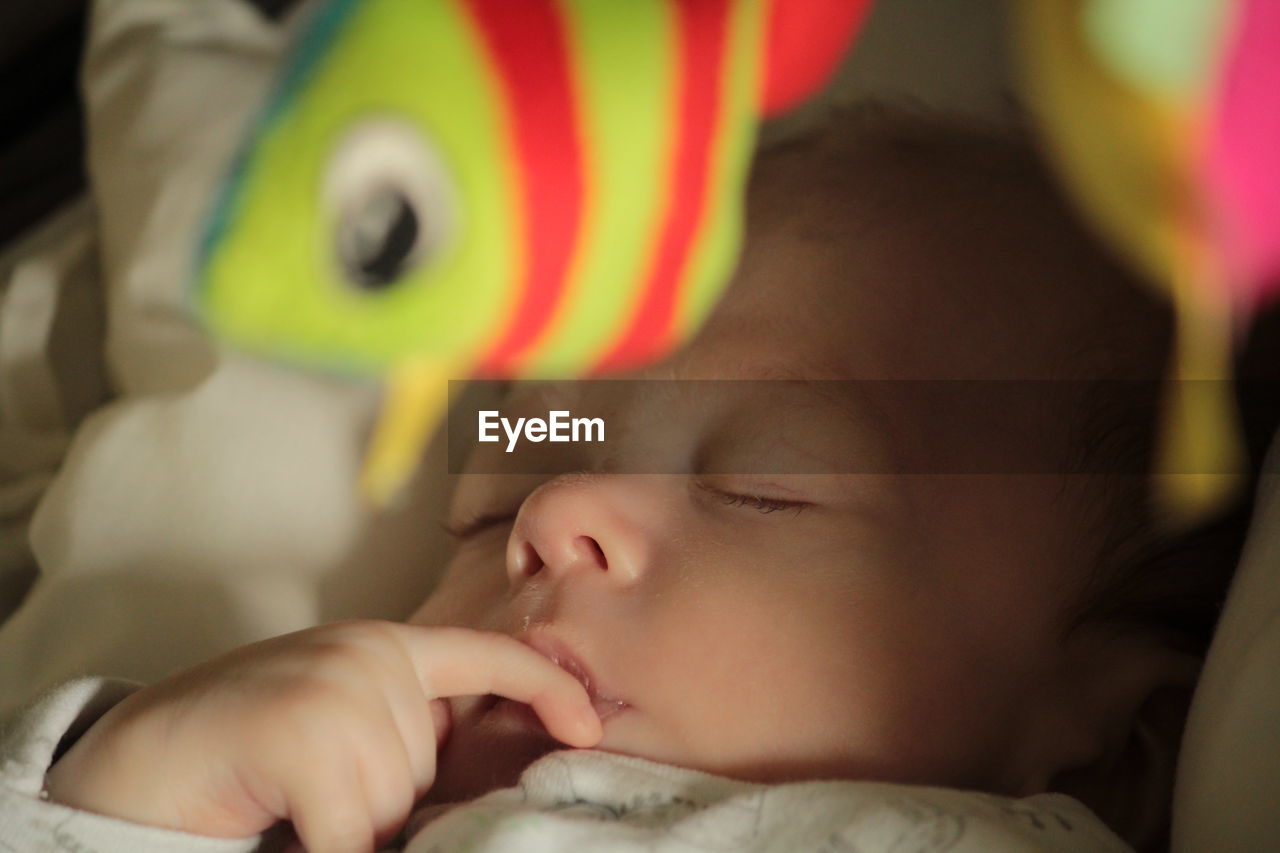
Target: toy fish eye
{"type": "Point", "coordinates": [391, 204]}
{"type": "Point", "coordinates": [379, 240]}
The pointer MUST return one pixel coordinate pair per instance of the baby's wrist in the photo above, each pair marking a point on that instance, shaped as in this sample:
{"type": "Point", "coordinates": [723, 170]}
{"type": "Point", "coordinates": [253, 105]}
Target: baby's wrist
{"type": "Point", "coordinates": [96, 775]}
{"type": "Point", "coordinates": [124, 768]}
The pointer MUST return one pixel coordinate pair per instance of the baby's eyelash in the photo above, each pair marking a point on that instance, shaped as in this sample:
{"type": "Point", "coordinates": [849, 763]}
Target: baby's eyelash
{"type": "Point", "coordinates": [474, 525]}
{"type": "Point", "coordinates": [760, 503]}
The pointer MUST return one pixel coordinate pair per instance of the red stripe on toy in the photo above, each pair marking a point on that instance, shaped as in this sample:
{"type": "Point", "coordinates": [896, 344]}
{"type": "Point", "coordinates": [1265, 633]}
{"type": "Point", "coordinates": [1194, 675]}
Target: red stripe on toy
{"type": "Point", "coordinates": [702, 33]}
{"type": "Point", "coordinates": [804, 45]}
{"type": "Point", "coordinates": [528, 44]}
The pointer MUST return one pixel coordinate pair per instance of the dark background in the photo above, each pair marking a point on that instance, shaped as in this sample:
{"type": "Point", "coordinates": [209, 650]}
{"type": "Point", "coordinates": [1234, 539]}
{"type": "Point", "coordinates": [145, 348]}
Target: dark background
{"type": "Point", "coordinates": [41, 122]}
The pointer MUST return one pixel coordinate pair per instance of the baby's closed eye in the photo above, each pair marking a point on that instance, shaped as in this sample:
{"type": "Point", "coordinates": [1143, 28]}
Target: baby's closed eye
{"type": "Point", "coordinates": [737, 492]}
{"type": "Point", "coordinates": [763, 498]}
{"type": "Point", "coordinates": [470, 526]}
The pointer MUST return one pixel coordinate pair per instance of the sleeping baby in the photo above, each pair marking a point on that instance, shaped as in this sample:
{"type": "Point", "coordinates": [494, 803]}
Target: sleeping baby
{"type": "Point", "coordinates": [898, 589]}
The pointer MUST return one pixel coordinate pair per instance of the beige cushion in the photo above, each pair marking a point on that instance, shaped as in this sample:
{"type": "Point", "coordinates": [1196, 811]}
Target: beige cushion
{"type": "Point", "coordinates": [1228, 791]}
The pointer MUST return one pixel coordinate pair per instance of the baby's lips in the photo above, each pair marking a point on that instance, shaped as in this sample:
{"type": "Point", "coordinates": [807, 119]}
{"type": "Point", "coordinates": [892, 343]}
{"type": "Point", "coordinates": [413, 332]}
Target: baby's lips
{"type": "Point", "coordinates": [604, 706]}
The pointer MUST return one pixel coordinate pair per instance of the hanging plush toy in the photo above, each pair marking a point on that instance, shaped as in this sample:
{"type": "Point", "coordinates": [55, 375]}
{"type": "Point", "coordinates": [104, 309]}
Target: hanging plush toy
{"type": "Point", "coordinates": [1164, 116]}
{"type": "Point", "coordinates": [442, 189]}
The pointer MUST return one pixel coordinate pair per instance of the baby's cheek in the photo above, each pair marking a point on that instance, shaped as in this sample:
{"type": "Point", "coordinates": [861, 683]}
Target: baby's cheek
{"type": "Point", "coordinates": [945, 710]}
{"type": "Point", "coordinates": [740, 668]}
{"type": "Point", "coordinates": [840, 685]}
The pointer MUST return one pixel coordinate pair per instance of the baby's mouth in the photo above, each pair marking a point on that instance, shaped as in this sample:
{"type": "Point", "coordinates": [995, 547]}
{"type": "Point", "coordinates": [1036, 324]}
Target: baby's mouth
{"type": "Point", "coordinates": [605, 706]}
{"type": "Point", "coordinates": [604, 703]}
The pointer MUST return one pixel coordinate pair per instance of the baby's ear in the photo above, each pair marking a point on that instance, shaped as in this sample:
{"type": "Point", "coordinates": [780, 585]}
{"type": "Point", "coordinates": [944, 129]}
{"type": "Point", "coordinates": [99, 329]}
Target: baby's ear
{"type": "Point", "coordinates": [1137, 707]}
{"type": "Point", "coordinates": [1132, 788]}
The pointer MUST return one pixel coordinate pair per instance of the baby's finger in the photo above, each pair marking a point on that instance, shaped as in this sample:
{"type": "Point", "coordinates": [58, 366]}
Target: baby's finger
{"type": "Point", "coordinates": [388, 775]}
{"type": "Point", "coordinates": [329, 814]}
{"type": "Point", "coordinates": [442, 718]}
{"type": "Point", "coordinates": [465, 662]}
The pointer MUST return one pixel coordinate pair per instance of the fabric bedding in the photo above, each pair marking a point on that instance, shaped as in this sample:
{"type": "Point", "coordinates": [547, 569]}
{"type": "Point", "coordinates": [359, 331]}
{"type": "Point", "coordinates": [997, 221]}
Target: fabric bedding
{"type": "Point", "coordinates": [213, 497]}
{"type": "Point", "coordinates": [1229, 768]}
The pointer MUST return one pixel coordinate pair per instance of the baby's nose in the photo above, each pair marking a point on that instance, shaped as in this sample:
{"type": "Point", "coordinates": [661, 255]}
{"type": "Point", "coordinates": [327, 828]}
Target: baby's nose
{"type": "Point", "coordinates": [591, 523]}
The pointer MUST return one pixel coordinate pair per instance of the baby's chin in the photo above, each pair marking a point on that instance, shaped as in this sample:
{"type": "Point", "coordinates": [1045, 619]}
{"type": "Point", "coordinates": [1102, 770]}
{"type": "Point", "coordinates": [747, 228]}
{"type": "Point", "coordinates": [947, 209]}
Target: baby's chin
{"type": "Point", "coordinates": [489, 746]}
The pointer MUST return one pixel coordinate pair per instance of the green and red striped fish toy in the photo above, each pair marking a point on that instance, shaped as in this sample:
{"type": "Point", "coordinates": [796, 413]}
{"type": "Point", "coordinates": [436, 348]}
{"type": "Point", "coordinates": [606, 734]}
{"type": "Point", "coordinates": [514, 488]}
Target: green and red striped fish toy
{"type": "Point", "coordinates": [442, 189]}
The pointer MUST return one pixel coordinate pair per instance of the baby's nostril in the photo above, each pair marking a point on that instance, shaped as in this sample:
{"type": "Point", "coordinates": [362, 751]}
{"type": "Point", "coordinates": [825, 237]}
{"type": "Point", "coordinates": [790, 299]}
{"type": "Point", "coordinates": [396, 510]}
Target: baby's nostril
{"type": "Point", "coordinates": [593, 549]}
{"type": "Point", "coordinates": [528, 563]}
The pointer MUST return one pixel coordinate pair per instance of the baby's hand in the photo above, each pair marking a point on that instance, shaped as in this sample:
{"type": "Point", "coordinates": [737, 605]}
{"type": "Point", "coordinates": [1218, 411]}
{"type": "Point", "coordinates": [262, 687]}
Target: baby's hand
{"type": "Point", "coordinates": [335, 728]}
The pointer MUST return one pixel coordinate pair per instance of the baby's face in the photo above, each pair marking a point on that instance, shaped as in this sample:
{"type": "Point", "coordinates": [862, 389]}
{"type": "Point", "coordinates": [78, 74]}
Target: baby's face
{"type": "Point", "coordinates": [887, 625]}
{"type": "Point", "coordinates": [760, 627]}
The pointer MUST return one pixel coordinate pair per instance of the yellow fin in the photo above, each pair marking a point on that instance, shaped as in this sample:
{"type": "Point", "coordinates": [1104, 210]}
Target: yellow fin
{"type": "Point", "coordinates": [417, 397]}
{"type": "Point", "coordinates": [1200, 458]}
